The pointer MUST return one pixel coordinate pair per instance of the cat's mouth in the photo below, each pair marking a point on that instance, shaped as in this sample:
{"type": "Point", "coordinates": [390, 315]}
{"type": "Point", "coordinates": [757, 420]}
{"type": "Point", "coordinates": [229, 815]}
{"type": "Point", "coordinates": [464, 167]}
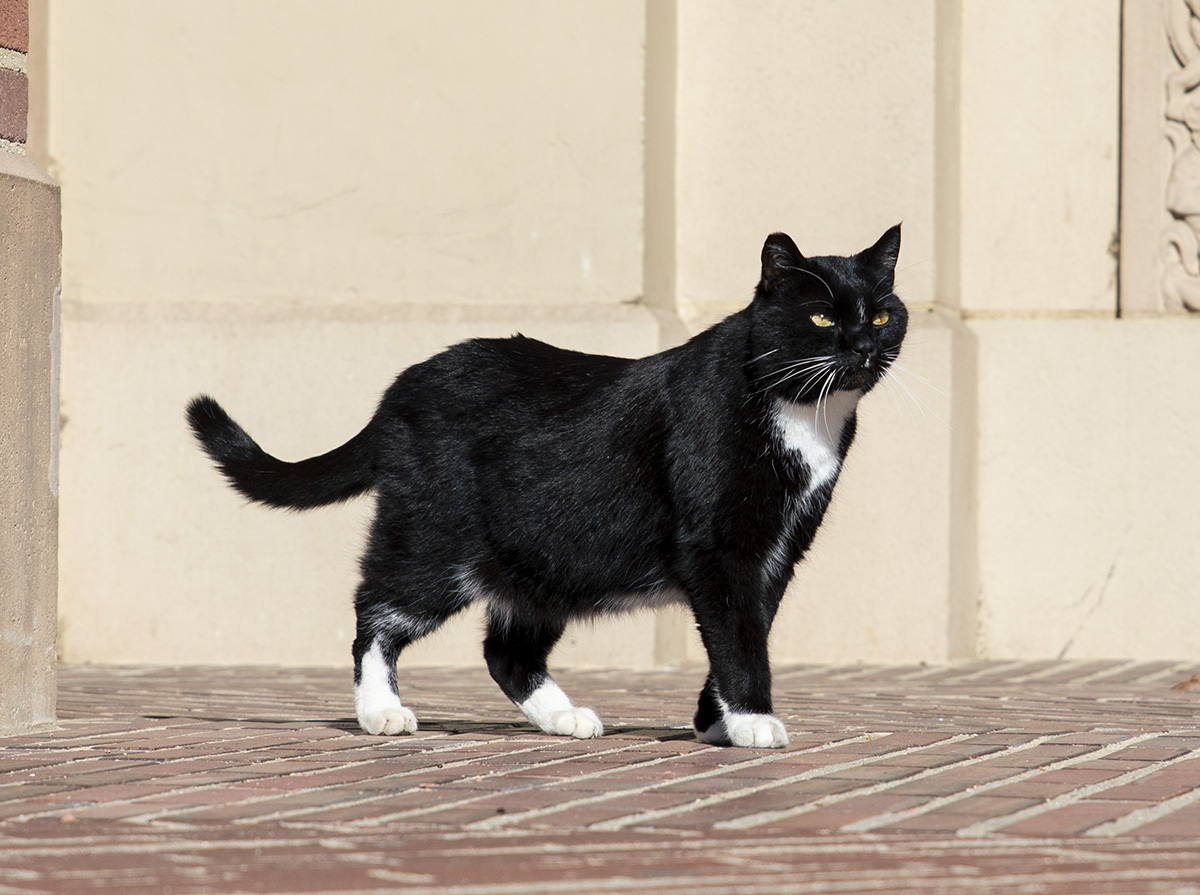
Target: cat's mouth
{"type": "Point", "coordinates": [862, 375]}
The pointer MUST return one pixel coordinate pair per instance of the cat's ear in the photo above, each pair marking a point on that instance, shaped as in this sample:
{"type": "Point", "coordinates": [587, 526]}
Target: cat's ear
{"type": "Point", "coordinates": [884, 253]}
{"type": "Point", "coordinates": [779, 254]}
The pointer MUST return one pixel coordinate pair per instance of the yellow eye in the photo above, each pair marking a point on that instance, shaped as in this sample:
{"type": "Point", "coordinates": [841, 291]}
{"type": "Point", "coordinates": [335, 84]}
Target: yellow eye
{"type": "Point", "coordinates": [881, 318]}
{"type": "Point", "coordinates": [822, 320]}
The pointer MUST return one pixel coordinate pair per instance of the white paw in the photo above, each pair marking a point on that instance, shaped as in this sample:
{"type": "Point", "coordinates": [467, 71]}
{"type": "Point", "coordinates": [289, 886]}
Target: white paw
{"type": "Point", "coordinates": [574, 722]}
{"type": "Point", "coordinates": [549, 708]}
{"type": "Point", "coordinates": [738, 729]}
{"type": "Point", "coordinates": [387, 721]}
{"type": "Point", "coordinates": [757, 731]}
{"type": "Point", "coordinates": [375, 700]}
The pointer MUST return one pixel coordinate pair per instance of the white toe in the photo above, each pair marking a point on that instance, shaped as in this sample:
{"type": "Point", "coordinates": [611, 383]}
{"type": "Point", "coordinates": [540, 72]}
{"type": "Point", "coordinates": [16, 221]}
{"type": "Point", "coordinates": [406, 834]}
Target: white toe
{"type": "Point", "coordinates": [549, 708]}
{"type": "Point", "coordinates": [375, 701]}
{"type": "Point", "coordinates": [576, 722]}
{"type": "Point", "coordinates": [388, 721]}
{"type": "Point", "coordinates": [756, 731]}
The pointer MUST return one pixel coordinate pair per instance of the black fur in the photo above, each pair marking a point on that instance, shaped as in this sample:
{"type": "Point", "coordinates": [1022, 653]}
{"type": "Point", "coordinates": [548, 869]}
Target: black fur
{"type": "Point", "coordinates": [556, 484]}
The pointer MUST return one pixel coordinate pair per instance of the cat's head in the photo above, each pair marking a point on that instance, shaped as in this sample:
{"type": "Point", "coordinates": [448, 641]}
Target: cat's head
{"type": "Point", "coordinates": [825, 323]}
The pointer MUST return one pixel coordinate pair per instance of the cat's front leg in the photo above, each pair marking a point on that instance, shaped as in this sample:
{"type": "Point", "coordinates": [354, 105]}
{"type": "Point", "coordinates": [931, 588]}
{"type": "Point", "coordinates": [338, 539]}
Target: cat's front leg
{"type": "Point", "coordinates": [735, 704]}
{"type": "Point", "coordinates": [718, 724]}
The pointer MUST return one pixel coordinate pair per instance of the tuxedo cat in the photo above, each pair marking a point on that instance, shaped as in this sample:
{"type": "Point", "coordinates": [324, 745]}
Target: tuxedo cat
{"type": "Point", "coordinates": [551, 485]}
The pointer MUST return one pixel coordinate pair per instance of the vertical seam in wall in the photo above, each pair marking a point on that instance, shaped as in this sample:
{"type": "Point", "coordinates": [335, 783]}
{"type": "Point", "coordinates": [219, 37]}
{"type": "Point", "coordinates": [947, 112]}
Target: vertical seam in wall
{"type": "Point", "coordinates": [963, 629]}
{"type": "Point", "coordinates": [1116, 245]}
{"type": "Point", "coordinates": [659, 234]}
{"type": "Point", "coordinates": [947, 157]}
{"type": "Point", "coordinates": [962, 610]}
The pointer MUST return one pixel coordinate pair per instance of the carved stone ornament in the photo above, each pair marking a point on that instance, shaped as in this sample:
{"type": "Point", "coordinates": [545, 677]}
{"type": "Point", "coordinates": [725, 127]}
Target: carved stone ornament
{"type": "Point", "coordinates": [1181, 238]}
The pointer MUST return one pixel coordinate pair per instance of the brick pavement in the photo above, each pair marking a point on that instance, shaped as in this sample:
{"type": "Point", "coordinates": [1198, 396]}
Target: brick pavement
{"type": "Point", "coordinates": [1057, 777]}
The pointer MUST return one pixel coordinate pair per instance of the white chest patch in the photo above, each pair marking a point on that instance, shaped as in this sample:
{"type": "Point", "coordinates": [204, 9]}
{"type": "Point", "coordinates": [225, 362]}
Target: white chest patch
{"type": "Point", "coordinates": [814, 431]}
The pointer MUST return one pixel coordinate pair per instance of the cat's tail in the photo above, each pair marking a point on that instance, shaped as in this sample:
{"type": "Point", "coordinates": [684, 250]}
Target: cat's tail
{"type": "Point", "coordinates": [342, 473]}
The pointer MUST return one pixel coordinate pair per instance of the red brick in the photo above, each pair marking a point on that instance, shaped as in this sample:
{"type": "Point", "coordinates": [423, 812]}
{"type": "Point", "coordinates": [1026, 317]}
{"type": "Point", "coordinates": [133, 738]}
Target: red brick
{"type": "Point", "coordinates": [14, 25]}
{"type": "Point", "coordinates": [1183, 823]}
{"type": "Point", "coordinates": [14, 105]}
{"type": "Point", "coordinates": [1070, 820]}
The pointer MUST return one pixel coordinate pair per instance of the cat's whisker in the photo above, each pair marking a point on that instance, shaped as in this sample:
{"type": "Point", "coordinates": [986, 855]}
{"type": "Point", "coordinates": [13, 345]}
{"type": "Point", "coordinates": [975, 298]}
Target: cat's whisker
{"type": "Point", "coordinates": [817, 359]}
{"type": "Point", "coordinates": [806, 364]}
{"type": "Point", "coordinates": [823, 283]}
{"type": "Point", "coordinates": [813, 377]}
{"type": "Point", "coordinates": [900, 368]}
{"type": "Point", "coordinates": [761, 356]}
{"type": "Point", "coordinates": [819, 365]}
{"type": "Point", "coordinates": [893, 369]}
{"type": "Point", "coordinates": [894, 395]}
{"type": "Point", "coordinates": [823, 400]}
{"type": "Point", "coordinates": [811, 274]}
{"type": "Point", "coordinates": [886, 274]}
{"type": "Point", "coordinates": [915, 399]}
{"type": "Point", "coordinates": [816, 376]}
{"type": "Point", "coordinates": [905, 396]}
{"type": "Point", "coordinates": [784, 379]}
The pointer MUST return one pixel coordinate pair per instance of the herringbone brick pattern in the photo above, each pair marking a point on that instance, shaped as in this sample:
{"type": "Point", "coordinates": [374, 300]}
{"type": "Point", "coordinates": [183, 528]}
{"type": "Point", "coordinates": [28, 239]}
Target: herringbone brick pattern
{"type": "Point", "coordinates": [1010, 776]}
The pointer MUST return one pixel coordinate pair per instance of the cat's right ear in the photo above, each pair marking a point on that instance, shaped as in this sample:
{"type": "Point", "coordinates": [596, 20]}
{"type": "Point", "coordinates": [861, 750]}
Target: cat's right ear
{"type": "Point", "coordinates": [779, 255]}
{"type": "Point", "coordinates": [886, 251]}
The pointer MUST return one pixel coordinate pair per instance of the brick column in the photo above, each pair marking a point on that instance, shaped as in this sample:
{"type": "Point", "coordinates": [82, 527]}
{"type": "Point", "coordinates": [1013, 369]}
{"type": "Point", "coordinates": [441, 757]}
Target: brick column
{"type": "Point", "coordinates": [30, 243]}
{"type": "Point", "coordinates": [14, 83]}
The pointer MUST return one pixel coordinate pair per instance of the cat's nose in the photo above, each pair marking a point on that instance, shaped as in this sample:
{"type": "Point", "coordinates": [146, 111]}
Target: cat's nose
{"type": "Point", "coordinates": [863, 352]}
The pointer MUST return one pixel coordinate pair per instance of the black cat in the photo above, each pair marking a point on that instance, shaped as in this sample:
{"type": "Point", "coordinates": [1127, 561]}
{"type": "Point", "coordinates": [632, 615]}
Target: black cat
{"type": "Point", "coordinates": [552, 485]}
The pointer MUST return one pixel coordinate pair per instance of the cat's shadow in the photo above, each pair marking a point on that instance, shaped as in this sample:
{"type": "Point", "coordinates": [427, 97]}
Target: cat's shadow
{"type": "Point", "coordinates": [450, 726]}
{"type": "Point", "coordinates": [662, 734]}
{"type": "Point", "coordinates": [458, 727]}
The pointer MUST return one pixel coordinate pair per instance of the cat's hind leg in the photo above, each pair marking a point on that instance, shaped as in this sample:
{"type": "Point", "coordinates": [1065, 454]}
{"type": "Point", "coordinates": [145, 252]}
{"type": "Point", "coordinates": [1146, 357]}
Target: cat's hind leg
{"type": "Point", "coordinates": [376, 696]}
{"type": "Point", "coordinates": [383, 631]}
{"type": "Point", "coordinates": [516, 651]}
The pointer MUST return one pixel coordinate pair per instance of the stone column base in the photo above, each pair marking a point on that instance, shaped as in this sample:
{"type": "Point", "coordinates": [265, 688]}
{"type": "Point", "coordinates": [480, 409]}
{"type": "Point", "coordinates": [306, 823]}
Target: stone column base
{"type": "Point", "coordinates": [30, 244]}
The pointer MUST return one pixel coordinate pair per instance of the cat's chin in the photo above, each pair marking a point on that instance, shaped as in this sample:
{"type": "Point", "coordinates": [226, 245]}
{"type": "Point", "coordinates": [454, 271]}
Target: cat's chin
{"type": "Point", "coordinates": [861, 381]}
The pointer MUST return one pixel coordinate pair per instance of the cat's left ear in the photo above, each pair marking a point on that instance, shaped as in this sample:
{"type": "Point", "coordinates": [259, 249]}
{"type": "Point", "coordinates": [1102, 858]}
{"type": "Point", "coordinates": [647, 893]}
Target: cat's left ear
{"type": "Point", "coordinates": [779, 255]}
{"type": "Point", "coordinates": [885, 252]}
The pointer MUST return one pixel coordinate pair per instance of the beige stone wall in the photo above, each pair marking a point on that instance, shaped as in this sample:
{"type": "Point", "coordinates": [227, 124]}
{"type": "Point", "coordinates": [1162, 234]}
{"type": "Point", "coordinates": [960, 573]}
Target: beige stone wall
{"type": "Point", "coordinates": [285, 207]}
{"type": "Point", "coordinates": [1038, 148]}
{"type": "Point", "coordinates": [287, 218]}
{"type": "Point", "coordinates": [1086, 424]}
{"type": "Point", "coordinates": [1087, 490]}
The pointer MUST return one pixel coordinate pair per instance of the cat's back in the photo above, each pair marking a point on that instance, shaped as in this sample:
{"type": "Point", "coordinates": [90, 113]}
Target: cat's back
{"type": "Point", "coordinates": [513, 379]}
{"type": "Point", "coordinates": [525, 367]}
